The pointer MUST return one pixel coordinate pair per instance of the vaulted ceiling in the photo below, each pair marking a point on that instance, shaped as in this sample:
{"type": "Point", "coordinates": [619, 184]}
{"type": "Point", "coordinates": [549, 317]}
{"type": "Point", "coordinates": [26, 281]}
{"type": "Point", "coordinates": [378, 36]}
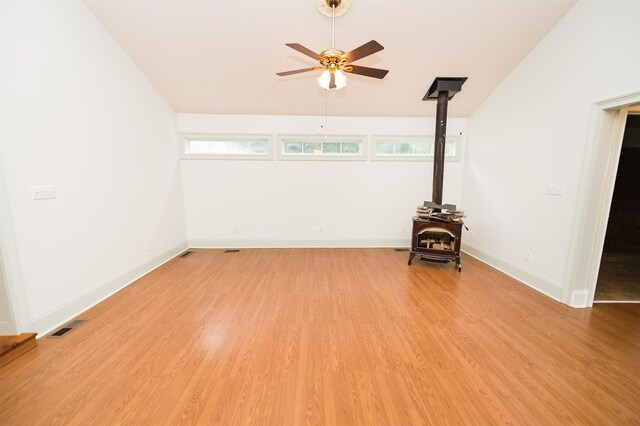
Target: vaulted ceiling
{"type": "Point", "coordinates": [221, 56]}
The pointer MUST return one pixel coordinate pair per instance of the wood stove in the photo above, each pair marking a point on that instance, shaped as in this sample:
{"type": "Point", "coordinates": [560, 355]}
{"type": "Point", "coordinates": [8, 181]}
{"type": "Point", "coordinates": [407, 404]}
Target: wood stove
{"type": "Point", "coordinates": [437, 228]}
{"type": "Point", "coordinates": [436, 241]}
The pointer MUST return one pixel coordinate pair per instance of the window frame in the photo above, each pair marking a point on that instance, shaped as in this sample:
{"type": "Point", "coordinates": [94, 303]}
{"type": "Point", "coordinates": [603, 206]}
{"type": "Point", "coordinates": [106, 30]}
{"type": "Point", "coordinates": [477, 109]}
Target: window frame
{"type": "Point", "coordinates": [375, 139]}
{"type": "Point", "coordinates": [186, 138]}
{"type": "Point", "coordinates": [281, 139]}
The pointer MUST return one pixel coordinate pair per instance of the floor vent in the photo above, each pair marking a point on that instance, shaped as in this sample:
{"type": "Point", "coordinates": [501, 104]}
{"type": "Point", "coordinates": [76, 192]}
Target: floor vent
{"type": "Point", "coordinates": [232, 251]}
{"type": "Point", "coordinates": [67, 328]}
{"type": "Point", "coordinates": [401, 249]}
{"type": "Point", "coordinates": [186, 254]}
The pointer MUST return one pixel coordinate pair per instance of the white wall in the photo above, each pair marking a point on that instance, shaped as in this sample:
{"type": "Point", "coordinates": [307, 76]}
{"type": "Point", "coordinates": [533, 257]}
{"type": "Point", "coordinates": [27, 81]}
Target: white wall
{"type": "Point", "coordinates": [532, 132]}
{"type": "Point", "coordinates": [284, 203]}
{"type": "Point", "coordinates": [78, 114]}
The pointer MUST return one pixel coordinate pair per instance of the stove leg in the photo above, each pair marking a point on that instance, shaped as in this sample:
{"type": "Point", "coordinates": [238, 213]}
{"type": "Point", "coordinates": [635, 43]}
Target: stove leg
{"type": "Point", "coordinates": [411, 256]}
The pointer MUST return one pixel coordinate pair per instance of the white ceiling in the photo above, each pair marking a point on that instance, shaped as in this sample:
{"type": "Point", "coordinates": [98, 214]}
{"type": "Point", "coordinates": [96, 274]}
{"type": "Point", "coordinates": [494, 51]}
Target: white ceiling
{"type": "Point", "coordinates": [221, 56]}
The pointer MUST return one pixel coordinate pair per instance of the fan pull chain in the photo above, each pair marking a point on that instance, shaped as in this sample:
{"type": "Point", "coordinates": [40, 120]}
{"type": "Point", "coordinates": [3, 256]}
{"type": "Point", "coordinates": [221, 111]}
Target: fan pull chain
{"type": "Point", "coordinates": [326, 101]}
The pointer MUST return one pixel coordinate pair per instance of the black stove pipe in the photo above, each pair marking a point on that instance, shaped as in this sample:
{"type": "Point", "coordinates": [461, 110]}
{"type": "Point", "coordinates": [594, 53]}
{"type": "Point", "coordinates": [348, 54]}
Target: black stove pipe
{"type": "Point", "coordinates": [438, 154]}
{"type": "Point", "coordinates": [443, 89]}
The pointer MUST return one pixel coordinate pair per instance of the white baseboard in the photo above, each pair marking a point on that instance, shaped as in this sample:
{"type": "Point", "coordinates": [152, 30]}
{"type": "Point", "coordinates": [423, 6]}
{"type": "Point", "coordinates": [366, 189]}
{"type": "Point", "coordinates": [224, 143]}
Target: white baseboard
{"type": "Point", "coordinates": [43, 324]}
{"type": "Point", "coordinates": [579, 299]}
{"type": "Point", "coordinates": [8, 328]}
{"type": "Point", "coordinates": [531, 279]}
{"type": "Point", "coordinates": [391, 242]}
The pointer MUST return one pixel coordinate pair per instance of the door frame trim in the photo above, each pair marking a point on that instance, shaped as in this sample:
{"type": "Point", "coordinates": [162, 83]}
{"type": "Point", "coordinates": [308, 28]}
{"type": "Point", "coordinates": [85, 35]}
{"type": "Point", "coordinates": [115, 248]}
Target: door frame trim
{"type": "Point", "coordinates": [599, 167]}
{"type": "Point", "coordinates": [9, 264]}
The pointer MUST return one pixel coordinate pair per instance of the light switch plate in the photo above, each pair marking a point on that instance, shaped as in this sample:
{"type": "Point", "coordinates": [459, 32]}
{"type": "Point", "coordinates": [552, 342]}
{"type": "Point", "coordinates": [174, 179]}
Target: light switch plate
{"type": "Point", "coordinates": [553, 189]}
{"type": "Point", "coordinates": [43, 192]}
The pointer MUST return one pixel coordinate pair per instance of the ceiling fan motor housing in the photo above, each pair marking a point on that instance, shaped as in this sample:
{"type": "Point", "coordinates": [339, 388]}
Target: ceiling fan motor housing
{"type": "Point", "coordinates": [332, 59]}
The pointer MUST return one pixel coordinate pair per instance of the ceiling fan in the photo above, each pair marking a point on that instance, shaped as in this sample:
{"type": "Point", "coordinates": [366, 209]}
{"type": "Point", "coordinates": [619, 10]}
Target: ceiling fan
{"type": "Point", "coordinates": [335, 62]}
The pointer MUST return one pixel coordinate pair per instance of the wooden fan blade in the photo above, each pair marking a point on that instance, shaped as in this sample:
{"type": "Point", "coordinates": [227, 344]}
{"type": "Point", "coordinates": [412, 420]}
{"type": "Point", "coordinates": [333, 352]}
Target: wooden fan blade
{"type": "Point", "coordinates": [365, 50]}
{"type": "Point", "coordinates": [332, 81]}
{"type": "Point", "coordinates": [366, 71]}
{"type": "Point", "coordinates": [300, 48]}
{"type": "Point", "coordinates": [282, 74]}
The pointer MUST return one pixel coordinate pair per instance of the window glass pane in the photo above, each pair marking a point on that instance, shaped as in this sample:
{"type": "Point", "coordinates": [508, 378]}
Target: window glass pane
{"type": "Point", "coordinates": [312, 148]}
{"type": "Point", "coordinates": [230, 147]}
{"type": "Point", "coordinates": [384, 148]}
{"type": "Point", "coordinates": [331, 147]}
{"type": "Point", "coordinates": [450, 149]}
{"type": "Point", "coordinates": [218, 147]}
{"type": "Point", "coordinates": [404, 148]}
{"type": "Point", "coordinates": [423, 148]}
{"type": "Point", "coordinates": [242, 147]}
{"type": "Point", "coordinates": [292, 147]}
{"type": "Point", "coordinates": [194, 147]}
{"type": "Point", "coordinates": [350, 148]}
{"type": "Point", "coordinates": [259, 147]}
{"type": "Point", "coordinates": [227, 147]}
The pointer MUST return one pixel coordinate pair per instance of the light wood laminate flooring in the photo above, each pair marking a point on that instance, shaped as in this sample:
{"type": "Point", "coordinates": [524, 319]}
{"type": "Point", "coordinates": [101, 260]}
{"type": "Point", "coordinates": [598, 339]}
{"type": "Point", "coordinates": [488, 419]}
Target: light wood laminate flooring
{"type": "Point", "coordinates": [330, 336]}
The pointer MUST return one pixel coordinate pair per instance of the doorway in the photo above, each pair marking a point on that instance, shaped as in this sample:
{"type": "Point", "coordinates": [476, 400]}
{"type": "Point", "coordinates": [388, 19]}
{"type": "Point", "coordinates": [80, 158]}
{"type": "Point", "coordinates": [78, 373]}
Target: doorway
{"type": "Point", "coordinates": [619, 274]}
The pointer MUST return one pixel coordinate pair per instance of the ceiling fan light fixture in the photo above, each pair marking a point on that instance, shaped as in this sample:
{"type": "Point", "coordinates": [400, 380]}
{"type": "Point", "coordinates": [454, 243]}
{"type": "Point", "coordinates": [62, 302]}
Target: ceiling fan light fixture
{"type": "Point", "coordinates": [340, 79]}
{"type": "Point", "coordinates": [324, 79]}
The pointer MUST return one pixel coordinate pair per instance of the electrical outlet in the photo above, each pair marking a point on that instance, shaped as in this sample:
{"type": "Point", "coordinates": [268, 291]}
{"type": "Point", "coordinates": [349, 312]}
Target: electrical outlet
{"type": "Point", "coordinates": [527, 256]}
{"type": "Point", "coordinates": [43, 192]}
{"type": "Point", "coordinates": [470, 234]}
{"type": "Point", "coordinates": [236, 229]}
{"type": "Point", "coordinates": [553, 189]}
{"type": "Point", "coordinates": [316, 229]}
{"type": "Point", "coordinates": [165, 238]}
{"type": "Point", "coordinates": [147, 245]}
{"type": "Point", "coordinates": [404, 229]}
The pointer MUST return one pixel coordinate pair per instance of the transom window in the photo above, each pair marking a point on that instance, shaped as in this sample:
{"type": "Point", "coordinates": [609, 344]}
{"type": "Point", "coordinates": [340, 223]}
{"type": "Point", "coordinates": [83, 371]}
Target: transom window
{"type": "Point", "coordinates": [320, 147]}
{"type": "Point", "coordinates": [221, 146]}
{"type": "Point", "coordinates": [412, 147]}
